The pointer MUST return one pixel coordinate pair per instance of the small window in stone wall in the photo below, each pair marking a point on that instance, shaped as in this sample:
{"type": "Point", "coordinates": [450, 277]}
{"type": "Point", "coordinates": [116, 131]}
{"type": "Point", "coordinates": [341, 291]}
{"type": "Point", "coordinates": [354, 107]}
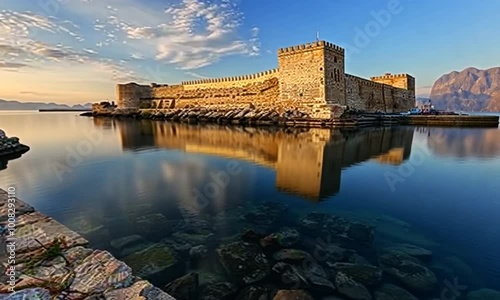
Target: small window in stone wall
{"type": "Point", "coordinates": [335, 59]}
{"type": "Point", "coordinates": [321, 68]}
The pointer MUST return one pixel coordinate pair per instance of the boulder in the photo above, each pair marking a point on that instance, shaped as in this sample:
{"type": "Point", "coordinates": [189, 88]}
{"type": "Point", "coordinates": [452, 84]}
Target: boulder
{"type": "Point", "coordinates": [293, 255]}
{"type": "Point", "coordinates": [184, 288]}
{"type": "Point", "coordinates": [393, 292]}
{"type": "Point", "coordinates": [158, 260]}
{"type": "Point", "coordinates": [350, 288]}
{"type": "Point", "coordinates": [293, 295]}
{"type": "Point", "coordinates": [365, 274]}
{"type": "Point", "coordinates": [257, 293]}
{"type": "Point", "coordinates": [412, 250]}
{"type": "Point", "coordinates": [483, 294]}
{"type": "Point", "coordinates": [408, 271]}
{"type": "Point", "coordinates": [338, 228]}
{"type": "Point", "coordinates": [219, 291]}
{"type": "Point", "coordinates": [198, 252]}
{"type": "Point", "coordinates": [244, 262]}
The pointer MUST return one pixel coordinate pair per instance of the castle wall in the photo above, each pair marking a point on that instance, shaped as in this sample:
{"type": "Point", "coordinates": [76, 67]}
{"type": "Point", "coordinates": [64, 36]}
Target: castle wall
{"type": "Point", "coordinates": [311, 78]}
{"type": "Point", "coordinates": [230, 82]}
{"type": "Point", "coordinates": [367, 95]}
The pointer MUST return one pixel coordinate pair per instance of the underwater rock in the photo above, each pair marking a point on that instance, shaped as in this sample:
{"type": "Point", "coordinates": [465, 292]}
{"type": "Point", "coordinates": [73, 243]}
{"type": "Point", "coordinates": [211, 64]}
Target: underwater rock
{"type": "Point", "coordinates": [250, 236]}
{"type": "Point", "coordinates": [412, 250]}
{"type": "Point", "coordinates": [154, 226]}
{"type": "Point", "coordinates": [483, 294]}
{"type": "Point", "coordinates": [291, 255]}
{"type": "Point", "coordinates": [218, 291]}
{"type": "Point", "coordinates": [266, 213]}
{"type": "Point", "coordinates": [266, 292]}
{"type": "Point", "coordinates": [288, 237]}
{"type": "Point", "coordinates": [291, 275]}
{"type": "Point", "coordinates": [393, 292]}
{"type": "Point", "coordinates": [123, 242]}
{"type": "Point", "coordinates": [195, 237]}
{"type": "Point", "coordinates": [184, 288]}
{"type": "Point", "coordinates": [244, 262]}
{"type": "Point", "coordinates": [338, 228]}
{"type": "Point", "coordinates": [292, 295]}
{"type": "Point", "coordinates": [365, 274]}
{"type": "Point", "coordinates": [350, 288]}
{"type": "Point", "coordinates": [317, 277]}
{"type": "Point", "coordinates": [181, 248]}
{"type": "Point", "coordinates": [157, 260]}
{"type": "Point", "coordinates": [208, 278]}
{"type": "Point", "coordinates": [198, 252]}
{"type": "Point", "coordinates": [408, 271]}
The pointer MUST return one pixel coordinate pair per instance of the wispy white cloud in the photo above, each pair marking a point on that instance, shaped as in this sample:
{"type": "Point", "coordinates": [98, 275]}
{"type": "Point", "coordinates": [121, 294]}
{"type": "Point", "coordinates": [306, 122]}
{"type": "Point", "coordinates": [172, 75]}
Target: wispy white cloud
{"type": "Point", "coordinates": [196, 75]}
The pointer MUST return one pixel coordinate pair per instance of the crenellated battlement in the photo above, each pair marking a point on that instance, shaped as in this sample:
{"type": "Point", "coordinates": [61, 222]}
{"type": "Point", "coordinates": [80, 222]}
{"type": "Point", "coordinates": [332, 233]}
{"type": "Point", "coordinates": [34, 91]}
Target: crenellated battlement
{"type": "Point", "coordinates": [233, 78]}
{"type": "Point", "coordinates": [317, 45]}
{"type": "Point", "coordinates": [390, 76]}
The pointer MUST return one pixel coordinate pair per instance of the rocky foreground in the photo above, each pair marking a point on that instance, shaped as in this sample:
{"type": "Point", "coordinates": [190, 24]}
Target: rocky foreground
{"type": "Point", "coordinates": [11, 146]}
{"type": "Point", "coordinates": [42, 259]}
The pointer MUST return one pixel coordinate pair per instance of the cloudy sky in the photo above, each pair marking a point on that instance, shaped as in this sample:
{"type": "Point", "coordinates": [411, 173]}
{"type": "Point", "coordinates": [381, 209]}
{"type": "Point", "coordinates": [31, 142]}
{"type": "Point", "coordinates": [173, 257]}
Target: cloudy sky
{"type": "Point", "coordinates": [75, 51]}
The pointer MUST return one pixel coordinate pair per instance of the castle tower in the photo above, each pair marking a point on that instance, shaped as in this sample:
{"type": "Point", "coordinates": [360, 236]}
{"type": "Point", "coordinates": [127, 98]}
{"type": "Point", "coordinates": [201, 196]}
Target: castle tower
{"type": "Point", "coordinates": [312, 74]}
{"type": "Point", "coordinates": [402, 81]}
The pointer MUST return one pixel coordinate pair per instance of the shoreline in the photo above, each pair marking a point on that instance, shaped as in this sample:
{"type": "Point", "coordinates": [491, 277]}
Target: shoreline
{"type": "Point", "coordinates": [255, 117]}
{"type": "Point", "coordinates": [46, 259]}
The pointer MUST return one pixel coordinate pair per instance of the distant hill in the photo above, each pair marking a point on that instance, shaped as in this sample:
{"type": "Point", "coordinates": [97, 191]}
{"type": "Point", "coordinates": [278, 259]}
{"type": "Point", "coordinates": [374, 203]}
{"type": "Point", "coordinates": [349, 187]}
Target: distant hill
{"type": "Point", "coordinates": [468, 90]}
{"type": "Point", "coordinates": [17, 105]}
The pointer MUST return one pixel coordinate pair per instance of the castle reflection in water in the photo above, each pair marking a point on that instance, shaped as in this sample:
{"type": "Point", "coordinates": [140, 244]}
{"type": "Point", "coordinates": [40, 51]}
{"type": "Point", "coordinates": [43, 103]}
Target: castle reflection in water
{"type": "Point", "coordinates": [308, 162]}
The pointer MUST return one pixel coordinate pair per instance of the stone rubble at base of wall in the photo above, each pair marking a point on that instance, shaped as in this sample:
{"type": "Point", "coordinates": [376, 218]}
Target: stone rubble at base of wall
{"type": "Point", "coordinates": [83, 274]}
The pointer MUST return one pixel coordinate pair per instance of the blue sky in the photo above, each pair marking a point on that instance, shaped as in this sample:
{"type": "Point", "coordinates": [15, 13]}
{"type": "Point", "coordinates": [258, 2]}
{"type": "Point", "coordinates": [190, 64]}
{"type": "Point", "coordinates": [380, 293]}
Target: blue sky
{"type": "Point", "coordinates": [74, 51]}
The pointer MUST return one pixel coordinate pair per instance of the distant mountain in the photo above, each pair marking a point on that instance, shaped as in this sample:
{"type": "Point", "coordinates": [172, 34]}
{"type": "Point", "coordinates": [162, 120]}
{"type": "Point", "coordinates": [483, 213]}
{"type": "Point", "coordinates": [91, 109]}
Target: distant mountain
{"type": "Point", "coordinates": [16, 105]}
{"type": "Point", "coordinates": [469, 90]}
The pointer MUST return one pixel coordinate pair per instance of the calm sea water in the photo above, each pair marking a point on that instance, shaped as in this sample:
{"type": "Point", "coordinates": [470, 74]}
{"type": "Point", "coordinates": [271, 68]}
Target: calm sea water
{"type": "Point", "coordinates": [437, 188]}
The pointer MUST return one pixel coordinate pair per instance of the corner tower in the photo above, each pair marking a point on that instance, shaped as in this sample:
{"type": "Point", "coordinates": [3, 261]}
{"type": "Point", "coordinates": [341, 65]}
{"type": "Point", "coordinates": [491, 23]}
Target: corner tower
{"type": "Point", "coordinates": [312, 74]}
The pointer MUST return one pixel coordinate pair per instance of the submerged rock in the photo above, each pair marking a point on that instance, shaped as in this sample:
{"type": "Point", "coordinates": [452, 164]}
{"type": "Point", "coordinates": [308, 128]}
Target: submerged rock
{"type": "Point", "coordinates": [350, 288]}
{"type": "Point", "coordinates": [393, 292]}
{"type": "Point", "coordinates": [408, 271]}
{"type": "Point", "coordinates": [158, 260]}
{"type": "Point", "coordinates": [365, 274]}
{"type": "Point", "coordinates": [338, 228]}
{"type": "Point", "coordinates": [218, 291]}
{"type": "Point", "coordinates": [244, 262]}
{"type": "Point", "coordinates": [33, 293]}
{"type": "Point", "coordinates": [305, 275]}
{"type": "Point", "coordinates": [291, 255]}
{"type": "Point", "coordinates": [484, 294]}
{"type": "Point", "coordinates": [412, 250]}
{"type": "Point", "coordinates": [257, 293]}
{"type": "Point", "coordinates": [194, 237]}
{"type": "Point", "coordinates": [292, 295]}
{"type": "Point", "coordinates": [184, 288]}
{"type": "Point", "coordinates": [266, 214]}
{"type": "Point", "coordinates": [198, 252]}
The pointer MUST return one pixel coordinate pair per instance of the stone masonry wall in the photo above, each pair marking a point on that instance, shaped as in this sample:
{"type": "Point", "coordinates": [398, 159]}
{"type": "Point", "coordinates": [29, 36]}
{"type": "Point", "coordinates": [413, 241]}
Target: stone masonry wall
{"type": "Point", "coordinates": [366, 95]}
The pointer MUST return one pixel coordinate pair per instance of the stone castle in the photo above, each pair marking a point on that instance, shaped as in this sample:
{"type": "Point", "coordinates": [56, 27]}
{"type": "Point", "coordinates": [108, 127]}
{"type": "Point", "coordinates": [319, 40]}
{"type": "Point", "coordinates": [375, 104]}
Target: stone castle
{"type": "Point", "coordinates": [310, 78]}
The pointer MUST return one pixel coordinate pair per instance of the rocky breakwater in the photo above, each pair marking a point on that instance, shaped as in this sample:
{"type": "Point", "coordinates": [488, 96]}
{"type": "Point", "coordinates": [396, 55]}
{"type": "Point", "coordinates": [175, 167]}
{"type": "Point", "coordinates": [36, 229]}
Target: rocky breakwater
{"type": "Point", "coordinates": [235, 115]}
{"type": "Point", "coordinates": [42, 259]}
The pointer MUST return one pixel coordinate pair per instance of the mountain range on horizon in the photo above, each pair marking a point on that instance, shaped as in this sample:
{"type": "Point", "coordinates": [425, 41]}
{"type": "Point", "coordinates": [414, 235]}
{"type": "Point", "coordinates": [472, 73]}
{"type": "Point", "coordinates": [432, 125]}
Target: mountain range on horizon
{"type": "Point", "coordinates": [18, 105]}
{"type": "Point", "coordinates": [470, 90]}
